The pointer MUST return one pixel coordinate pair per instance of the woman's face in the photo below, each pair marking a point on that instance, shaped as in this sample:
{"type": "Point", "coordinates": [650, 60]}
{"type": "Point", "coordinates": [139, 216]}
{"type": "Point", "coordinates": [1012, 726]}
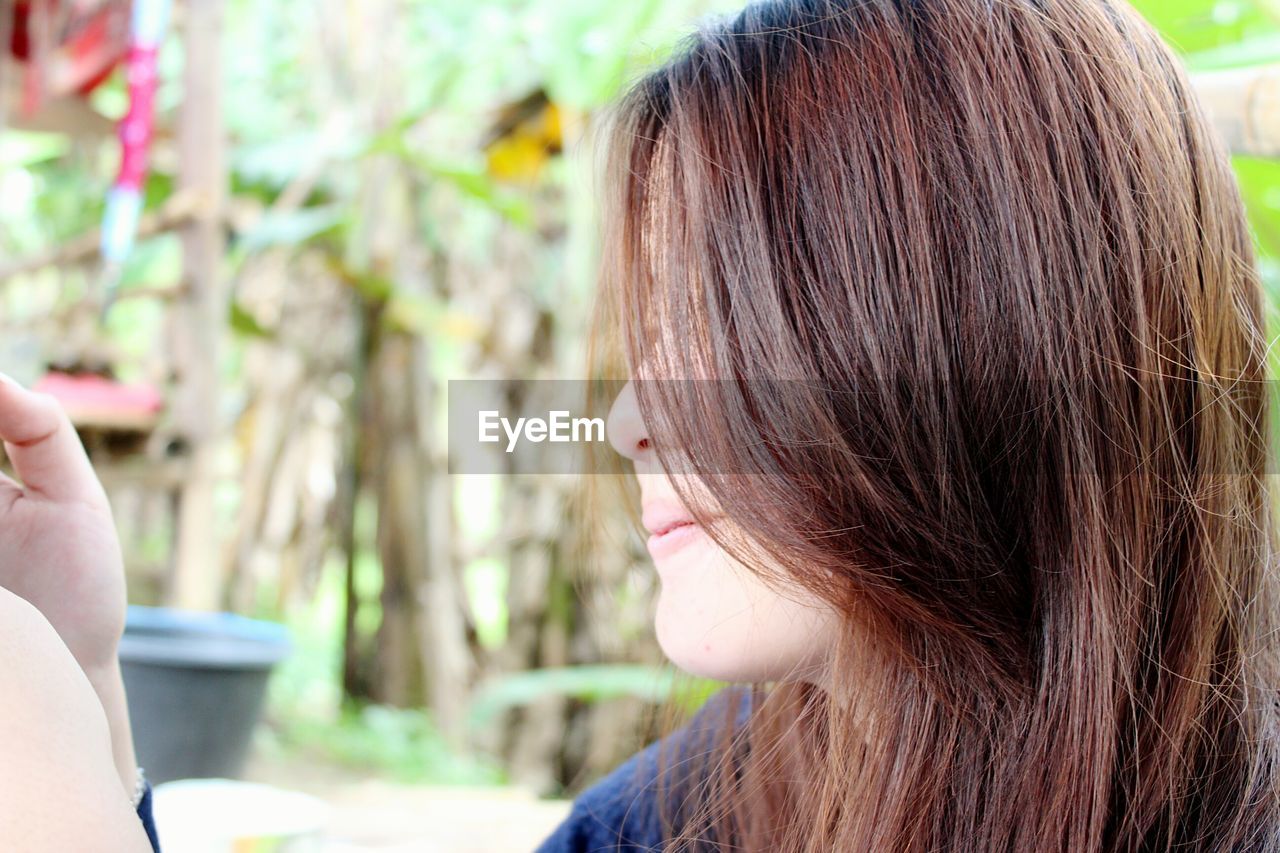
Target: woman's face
{"type": "Point", "coordinates": [715, 617]}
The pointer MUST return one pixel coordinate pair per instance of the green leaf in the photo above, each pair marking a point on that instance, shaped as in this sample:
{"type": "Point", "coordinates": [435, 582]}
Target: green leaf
{"type": "Point", "coordinates": [476, 184]}
{"type": "Point", "coordinates": [292, 228]}
{"type": "Point", "coordinates": [244, 323]}
{"type": "Point", "coordinates": [586, 683]}
{"type": "Point", "coordinates": [471, 181]}
{"type": "Point", "coordinates": [22, 150]}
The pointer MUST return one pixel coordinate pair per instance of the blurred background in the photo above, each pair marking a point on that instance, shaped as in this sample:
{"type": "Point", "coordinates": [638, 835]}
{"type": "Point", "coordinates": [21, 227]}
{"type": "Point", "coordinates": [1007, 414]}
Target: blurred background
{"type": "Point", "coordinates": [247, 243]}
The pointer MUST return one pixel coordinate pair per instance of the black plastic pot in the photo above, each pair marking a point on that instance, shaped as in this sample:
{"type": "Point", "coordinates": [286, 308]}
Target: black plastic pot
{"type": "Point", "coordinates": [196, 684]}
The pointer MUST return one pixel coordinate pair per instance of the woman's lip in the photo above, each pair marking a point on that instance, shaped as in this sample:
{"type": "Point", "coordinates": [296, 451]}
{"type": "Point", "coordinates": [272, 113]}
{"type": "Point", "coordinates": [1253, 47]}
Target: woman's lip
{"type": "Point", "coordinates": [673, 539]}
{"type": "Point", "coordinates": [660, 516]}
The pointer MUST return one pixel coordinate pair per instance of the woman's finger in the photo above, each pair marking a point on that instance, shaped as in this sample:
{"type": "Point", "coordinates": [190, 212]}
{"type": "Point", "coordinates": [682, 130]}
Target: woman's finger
{"type": "Point", "coordinates": [10, 489]}
{"type": "Point", "coordinates": [43, 446]}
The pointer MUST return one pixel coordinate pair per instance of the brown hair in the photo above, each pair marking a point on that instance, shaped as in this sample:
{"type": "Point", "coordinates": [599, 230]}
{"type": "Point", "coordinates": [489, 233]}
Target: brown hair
{"type": "Point", "coordinates": [997, 263]}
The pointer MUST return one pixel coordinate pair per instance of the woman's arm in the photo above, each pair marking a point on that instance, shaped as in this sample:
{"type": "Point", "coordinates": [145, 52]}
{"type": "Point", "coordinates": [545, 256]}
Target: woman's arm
{"type": "Point", "coordinates": [59, 788]}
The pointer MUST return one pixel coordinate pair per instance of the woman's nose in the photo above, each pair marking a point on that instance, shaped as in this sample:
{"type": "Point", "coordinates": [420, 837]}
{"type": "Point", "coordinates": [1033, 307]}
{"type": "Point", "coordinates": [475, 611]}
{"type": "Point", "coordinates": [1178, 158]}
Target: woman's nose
{"type": "Point", "coordinates": [625, 426]}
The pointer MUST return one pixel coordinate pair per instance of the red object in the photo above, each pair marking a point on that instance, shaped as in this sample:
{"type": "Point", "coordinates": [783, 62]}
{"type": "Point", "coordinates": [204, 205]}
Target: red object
{"type": "Point", "coordinates": [90, 38]}
{"type": "Point", "coordinates": [88, 397]}
{"type": "Point", "coordinates": [135, 128]}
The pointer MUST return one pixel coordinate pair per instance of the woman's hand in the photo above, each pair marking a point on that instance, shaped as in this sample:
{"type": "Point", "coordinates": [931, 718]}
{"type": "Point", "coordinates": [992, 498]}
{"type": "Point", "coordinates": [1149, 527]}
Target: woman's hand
{"type": "Point", "coordinates": [59, 550]}
{"type": "Point", "coordinates": [58, 544]}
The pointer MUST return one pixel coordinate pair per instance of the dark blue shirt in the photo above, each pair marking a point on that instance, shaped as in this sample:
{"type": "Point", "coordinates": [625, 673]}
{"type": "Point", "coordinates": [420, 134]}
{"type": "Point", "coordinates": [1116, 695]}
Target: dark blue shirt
{"type": "Point", "coordinates": [620, 813]}
{"type": "Point", "coordinates": [148, 822]}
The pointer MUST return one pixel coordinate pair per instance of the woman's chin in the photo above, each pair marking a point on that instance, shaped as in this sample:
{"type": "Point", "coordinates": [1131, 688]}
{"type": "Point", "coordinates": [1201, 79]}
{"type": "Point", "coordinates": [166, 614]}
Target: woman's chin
{"type": "Point", "coordinates": [715, 619]}
{"type": "Point", "coordinates": [703, 645]}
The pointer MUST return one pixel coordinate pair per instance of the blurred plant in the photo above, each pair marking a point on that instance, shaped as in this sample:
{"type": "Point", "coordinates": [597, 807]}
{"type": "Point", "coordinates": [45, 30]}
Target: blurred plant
{"type": "Point", "coordinates": [400, 744]}
{"type": "Point", "coordinates": [586, 683]}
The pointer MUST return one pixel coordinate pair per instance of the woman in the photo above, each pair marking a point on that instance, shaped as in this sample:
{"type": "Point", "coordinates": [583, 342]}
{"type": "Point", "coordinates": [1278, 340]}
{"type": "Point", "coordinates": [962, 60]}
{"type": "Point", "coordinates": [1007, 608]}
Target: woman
{"type": "Point", "coordinates": [948, 416]}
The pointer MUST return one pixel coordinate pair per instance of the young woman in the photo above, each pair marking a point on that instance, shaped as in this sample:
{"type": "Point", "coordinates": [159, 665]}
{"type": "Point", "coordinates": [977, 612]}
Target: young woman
{"type": "Point", "coordinates": [949, 420]}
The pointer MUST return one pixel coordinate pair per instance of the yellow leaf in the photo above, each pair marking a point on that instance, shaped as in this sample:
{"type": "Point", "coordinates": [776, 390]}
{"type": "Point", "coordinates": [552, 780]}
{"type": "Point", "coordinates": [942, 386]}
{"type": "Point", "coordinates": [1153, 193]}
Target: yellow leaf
{"type": "Point", "coordinates": [519, 157]}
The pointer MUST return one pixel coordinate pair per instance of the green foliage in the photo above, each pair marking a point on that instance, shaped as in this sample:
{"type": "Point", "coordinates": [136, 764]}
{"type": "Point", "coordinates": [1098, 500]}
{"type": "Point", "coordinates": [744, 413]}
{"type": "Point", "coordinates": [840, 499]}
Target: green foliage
{"type": "Point", "coordinates": [1215, 33]}
{"type": "Point", "coordinates": [29, 150]}
{"type": "Point", "coordinates": [308, 717]}
{"type": "Point", "coordinates": [399, 744]}
{"type": "Point", "coordinates": [485, 581]}
{"type": "Point", "coordinates": [593, 683]}
{"type": "Point", "coordinates": [292, 227]}
{"type": "Point", "coordinates": [244, 323]}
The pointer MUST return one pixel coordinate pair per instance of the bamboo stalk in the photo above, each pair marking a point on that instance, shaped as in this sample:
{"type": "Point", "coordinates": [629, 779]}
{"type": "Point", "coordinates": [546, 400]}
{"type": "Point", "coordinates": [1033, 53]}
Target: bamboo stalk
{"type": "Point", "coordinates": [197, 317]}
{"type": "Point", "coordinates": [1244, 105]}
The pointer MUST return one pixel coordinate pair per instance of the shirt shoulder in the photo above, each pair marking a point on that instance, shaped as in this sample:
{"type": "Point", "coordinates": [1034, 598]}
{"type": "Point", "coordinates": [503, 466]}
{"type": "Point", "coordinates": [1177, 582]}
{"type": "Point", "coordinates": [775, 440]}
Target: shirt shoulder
{"type": "Point", "coordinates": [620, 813]}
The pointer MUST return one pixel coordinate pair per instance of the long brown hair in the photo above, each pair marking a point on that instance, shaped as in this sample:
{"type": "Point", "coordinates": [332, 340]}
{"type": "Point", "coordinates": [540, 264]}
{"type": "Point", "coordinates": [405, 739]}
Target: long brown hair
{"type": "Point", "coordinates": [994, 267]}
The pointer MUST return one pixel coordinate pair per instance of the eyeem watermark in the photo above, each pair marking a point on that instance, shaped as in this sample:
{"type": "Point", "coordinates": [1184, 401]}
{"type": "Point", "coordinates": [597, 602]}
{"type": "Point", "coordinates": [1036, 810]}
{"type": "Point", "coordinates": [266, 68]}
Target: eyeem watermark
{"type": "Point", "coordinates": [528, 426]}
{"type": "Point", "coordinates": [499, 426]}
{"type": "Point", "coordinates": [559, 426]}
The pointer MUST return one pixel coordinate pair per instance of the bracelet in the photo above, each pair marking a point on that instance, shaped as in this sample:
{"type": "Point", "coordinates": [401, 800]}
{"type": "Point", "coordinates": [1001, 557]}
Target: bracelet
{"type": "Point", "coordinates": [139, 788]}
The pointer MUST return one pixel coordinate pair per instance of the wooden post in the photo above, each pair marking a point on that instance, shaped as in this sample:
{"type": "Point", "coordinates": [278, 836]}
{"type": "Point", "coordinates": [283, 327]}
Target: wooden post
{"type": "Point", "coordinates": [200, 309]}
{"type": "Point", "coordinates": [1244, 105]}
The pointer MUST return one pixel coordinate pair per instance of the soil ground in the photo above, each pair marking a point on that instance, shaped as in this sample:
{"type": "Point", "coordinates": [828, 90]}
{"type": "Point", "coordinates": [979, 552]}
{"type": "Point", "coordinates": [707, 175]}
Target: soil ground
{"type": "Point", "coordinates": [368, 815]}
